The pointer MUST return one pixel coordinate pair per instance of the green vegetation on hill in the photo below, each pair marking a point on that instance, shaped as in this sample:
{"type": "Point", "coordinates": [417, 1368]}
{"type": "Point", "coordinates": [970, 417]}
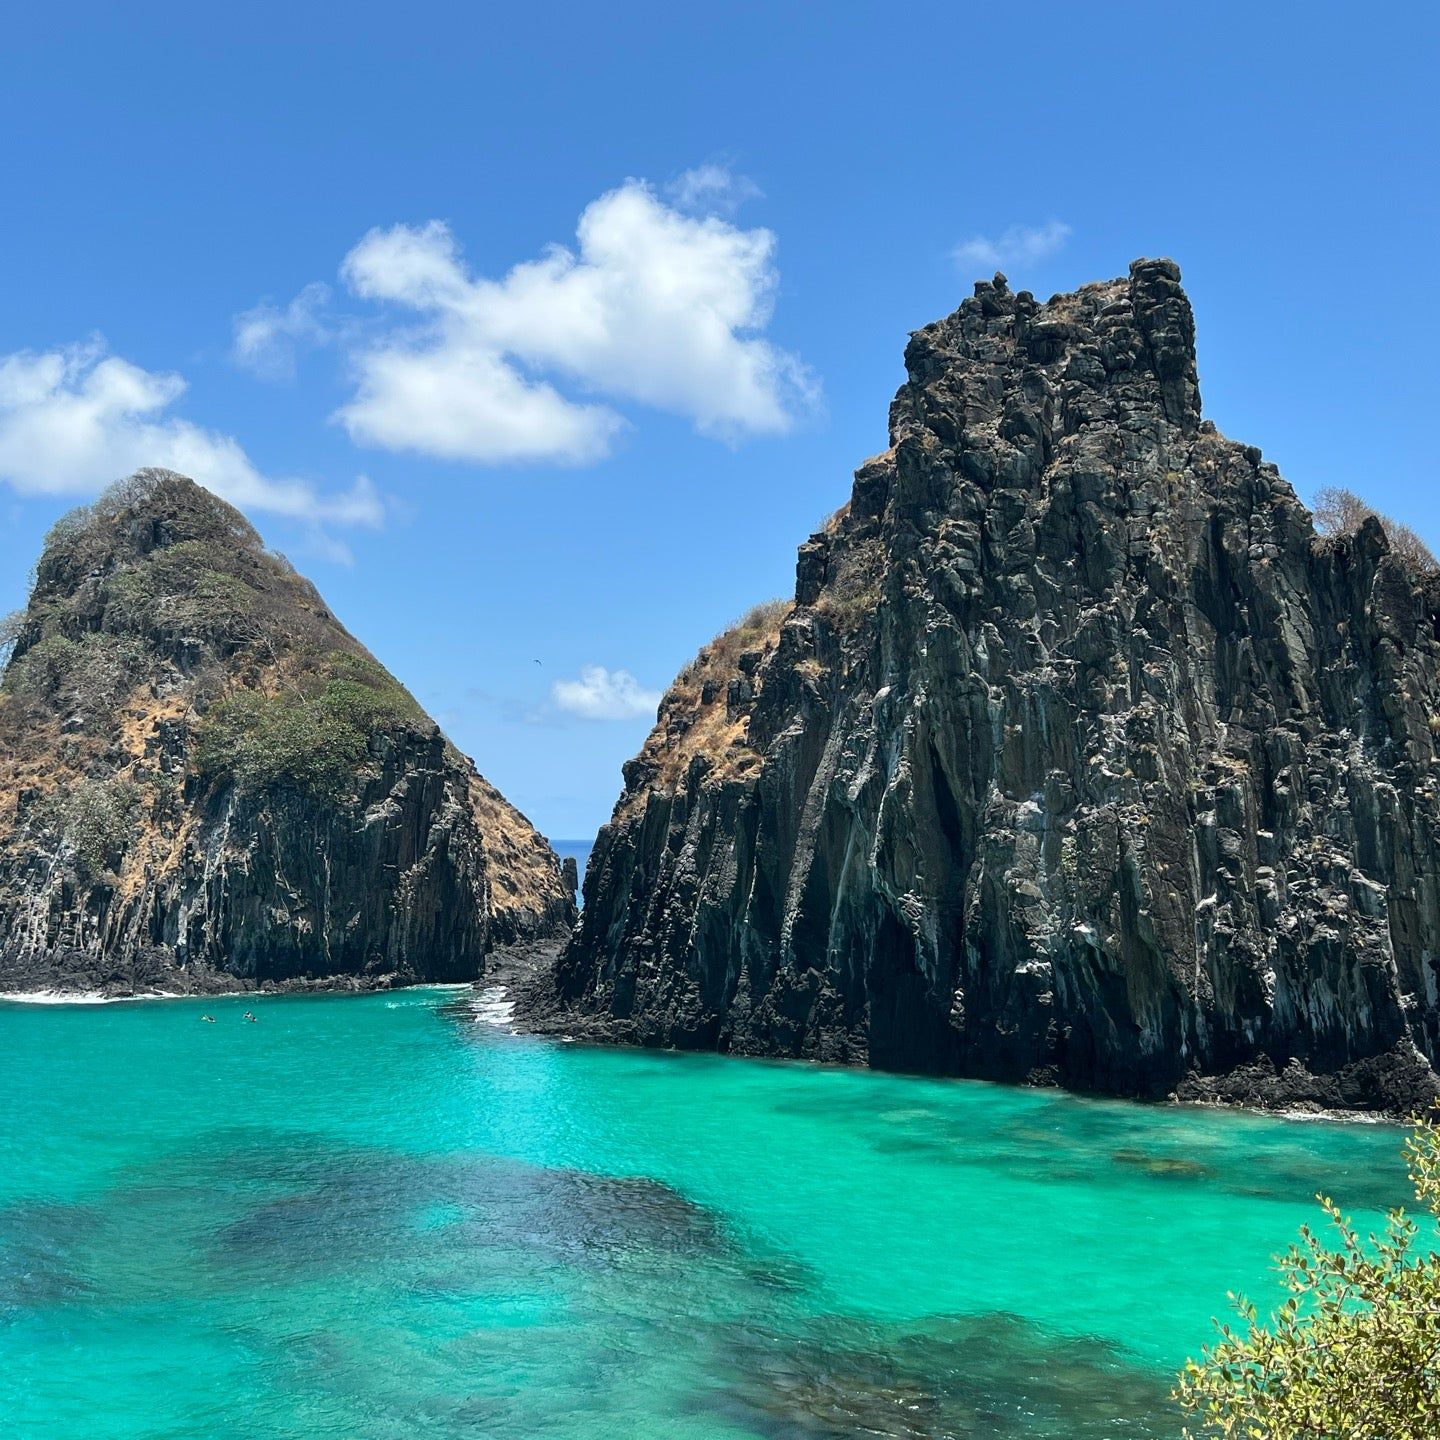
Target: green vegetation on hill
{"type": "Point", "coordinates": [95, 821]}
{"type": "Point", "coordinates": [162, 589]}
{"type": "Point", "coordinates": [313, 735]}
{"type": "Point", "coordinates": [186, 591]}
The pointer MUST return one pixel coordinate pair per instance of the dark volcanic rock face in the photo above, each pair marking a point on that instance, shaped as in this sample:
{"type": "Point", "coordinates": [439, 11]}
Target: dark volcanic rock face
{"type": "Point", "coordinates": [205, 781]}
{"type": "Point", "coordinates": [1078, 759]}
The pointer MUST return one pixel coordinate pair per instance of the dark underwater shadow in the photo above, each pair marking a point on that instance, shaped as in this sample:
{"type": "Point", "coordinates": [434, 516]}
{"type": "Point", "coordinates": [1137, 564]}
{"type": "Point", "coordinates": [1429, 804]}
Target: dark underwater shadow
{"type": "Point", "coordinates": [984, 1377]}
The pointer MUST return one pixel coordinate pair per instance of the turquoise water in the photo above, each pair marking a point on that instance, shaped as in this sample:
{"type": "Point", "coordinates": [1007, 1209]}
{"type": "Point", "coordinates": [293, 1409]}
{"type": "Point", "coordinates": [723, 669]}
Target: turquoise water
{"type": "Point", "coordinates": [376, 1218]}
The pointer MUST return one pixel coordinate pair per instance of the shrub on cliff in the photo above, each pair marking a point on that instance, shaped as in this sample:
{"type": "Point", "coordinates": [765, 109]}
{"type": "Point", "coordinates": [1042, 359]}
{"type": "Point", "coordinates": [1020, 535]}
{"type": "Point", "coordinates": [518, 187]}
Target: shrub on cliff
{"type": "Point", "coordinates": [160, 558]}
{"type": "Point", "coordinates": [41, 672]}
{"type": "Point", "coordinates": [151, 508]}
{"type": "Point", "coordinates": [1342, 512]}
{"type": "Point", "coordinates": [95, 819]}
{"type": "Point", "coordinates": [752, 628]}
{"type": "Point", "coordinates": [312, 736]}
{"type": "Point", "coordinates": [87, 676]}
{"type": "Point", "coordinates": [185, 591]}
{"type": "Point", "coordinates": [1354, 1353]}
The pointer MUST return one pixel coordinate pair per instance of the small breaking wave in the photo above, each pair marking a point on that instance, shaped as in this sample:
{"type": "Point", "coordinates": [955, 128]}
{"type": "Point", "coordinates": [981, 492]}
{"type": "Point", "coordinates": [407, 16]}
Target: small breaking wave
{"type": "Point", "coordinates": [87, 997]}
{"type": "Point", "coordinates": [493, 1006]}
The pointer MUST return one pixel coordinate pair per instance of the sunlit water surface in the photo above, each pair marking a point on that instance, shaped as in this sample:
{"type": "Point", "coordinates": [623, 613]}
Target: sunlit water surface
{"type": "Point", "coordinates": [381, 1217]}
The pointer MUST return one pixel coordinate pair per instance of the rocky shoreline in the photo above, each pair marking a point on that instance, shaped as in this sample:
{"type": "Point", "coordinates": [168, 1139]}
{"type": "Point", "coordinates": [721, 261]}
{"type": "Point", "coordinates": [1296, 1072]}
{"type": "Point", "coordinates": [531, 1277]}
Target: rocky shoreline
{"type": "Point", "coordinates": [87, 981]}
{"type": "Point", "coordinates": [1398, 1092]}
{"type": "Point", "coordinates": [81, 977]}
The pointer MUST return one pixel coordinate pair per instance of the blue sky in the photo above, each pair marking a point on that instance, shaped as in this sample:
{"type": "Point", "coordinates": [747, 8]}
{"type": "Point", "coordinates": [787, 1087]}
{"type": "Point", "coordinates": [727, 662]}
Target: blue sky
{"type": "Point", "coordinates": [279, 243]}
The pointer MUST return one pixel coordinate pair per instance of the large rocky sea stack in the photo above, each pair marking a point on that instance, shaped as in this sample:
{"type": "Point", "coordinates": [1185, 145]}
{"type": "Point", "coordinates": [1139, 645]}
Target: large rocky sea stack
{"type": "Point", "coordinates": [1079, 757]}
{"type": "Point", "coordinates": [206, 783]}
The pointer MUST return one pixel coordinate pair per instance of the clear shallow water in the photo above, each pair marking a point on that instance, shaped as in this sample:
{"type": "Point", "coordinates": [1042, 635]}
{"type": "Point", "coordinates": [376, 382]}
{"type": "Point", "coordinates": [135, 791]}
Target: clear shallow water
{"type": "Point", "coordinates": [376, 1218]}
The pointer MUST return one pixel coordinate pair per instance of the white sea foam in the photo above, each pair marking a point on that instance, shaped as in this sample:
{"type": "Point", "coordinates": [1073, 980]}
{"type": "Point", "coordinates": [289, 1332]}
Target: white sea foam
{"type": "Point", "coordinates": [412, 995]}
{"type": "Point", "coordinates": [94, 997]}
{"type": "Point", "coordinates": [90, 997]}
{"type": "Point", "coordinates": [53, 997]}
{"type": "Point", "coordinates": [494, 1007]}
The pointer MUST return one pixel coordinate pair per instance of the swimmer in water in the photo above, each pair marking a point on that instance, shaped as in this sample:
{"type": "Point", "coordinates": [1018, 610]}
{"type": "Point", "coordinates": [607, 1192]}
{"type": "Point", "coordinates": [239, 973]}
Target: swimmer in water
{"type": "Point", "coordinates": [249, 1017]}
{"type": "Point", "coordinates": [208, 1019]}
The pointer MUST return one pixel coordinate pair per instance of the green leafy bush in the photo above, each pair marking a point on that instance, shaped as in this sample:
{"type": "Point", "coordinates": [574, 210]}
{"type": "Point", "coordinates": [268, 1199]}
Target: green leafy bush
{"type": "Point", "coordinates": [89, 675]}
{"type": "Point", "coordinates": [40, 673]}
{"type": "Point", "coordinates": [181, 591]}
{"type": "Point", "coordinates": [96, 817]}
{"type": "Point", "coordinates": [312, 738]}
{"type": "Point", "coordinates": [1354, 1353]}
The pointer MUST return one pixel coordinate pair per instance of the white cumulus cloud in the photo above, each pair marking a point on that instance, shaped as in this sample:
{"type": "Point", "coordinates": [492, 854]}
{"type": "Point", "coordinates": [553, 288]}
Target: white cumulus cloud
{"type": "Point", "coordinates": [654, 306]}
{"type": "Point", "coordinates": [267, 337]}
{"type": "Point", "coordinates": [460, 401]}
{"type": "Point", "coordinates": [601, 694]}
{"type": "Point", "coordinates": [1019, 245]}
{"type": "Point", "coordinates": [73, 420]}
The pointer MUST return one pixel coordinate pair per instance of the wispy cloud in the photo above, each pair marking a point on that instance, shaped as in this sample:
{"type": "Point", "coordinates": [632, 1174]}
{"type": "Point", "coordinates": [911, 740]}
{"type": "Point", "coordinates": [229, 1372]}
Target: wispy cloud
{"type": "Point", "coordinates": [73, 420]}
{"type": "Point", "coordinates": [601, 694]}
{"type": "Point", "coordinates": [711, 189]}
{"type": "Point", "coordinates": [268, 337]}
{"type": "Point", "coordinates": [655, 306]}
{"type": "Point", "coordinates": [319, 544]}
{"type": "Point", "coordinates": [1018, 246]}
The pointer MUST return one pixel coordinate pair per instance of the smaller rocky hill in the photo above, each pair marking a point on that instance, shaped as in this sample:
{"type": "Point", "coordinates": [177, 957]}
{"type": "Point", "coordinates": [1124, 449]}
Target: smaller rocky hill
{"type": "Point", "coordinates": [206, 781]}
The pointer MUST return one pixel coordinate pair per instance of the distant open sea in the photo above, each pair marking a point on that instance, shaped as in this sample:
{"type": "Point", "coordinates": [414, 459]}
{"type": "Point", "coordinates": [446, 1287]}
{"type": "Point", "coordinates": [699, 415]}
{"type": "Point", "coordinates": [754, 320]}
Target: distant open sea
{"type": "Point", "coordinates": [579, 849]}
{"type": "Point", "coordinates": [376, 1217]}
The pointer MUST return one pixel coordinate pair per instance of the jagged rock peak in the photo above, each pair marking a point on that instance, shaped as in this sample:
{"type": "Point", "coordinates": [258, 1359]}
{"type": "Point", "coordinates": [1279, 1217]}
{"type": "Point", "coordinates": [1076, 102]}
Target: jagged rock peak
{"type": "Point", "coordinates": [1140, 328]}
{"type": "Point", "coordinates": [1078, 758]}
{"type": "Point", "coordinates": [206, 781]}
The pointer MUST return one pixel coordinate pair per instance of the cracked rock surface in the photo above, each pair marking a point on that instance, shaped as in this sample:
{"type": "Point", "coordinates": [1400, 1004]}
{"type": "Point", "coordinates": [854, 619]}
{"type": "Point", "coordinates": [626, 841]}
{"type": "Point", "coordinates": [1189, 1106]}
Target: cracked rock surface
{"type": "Point", "coordinates": [1078, 759]}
